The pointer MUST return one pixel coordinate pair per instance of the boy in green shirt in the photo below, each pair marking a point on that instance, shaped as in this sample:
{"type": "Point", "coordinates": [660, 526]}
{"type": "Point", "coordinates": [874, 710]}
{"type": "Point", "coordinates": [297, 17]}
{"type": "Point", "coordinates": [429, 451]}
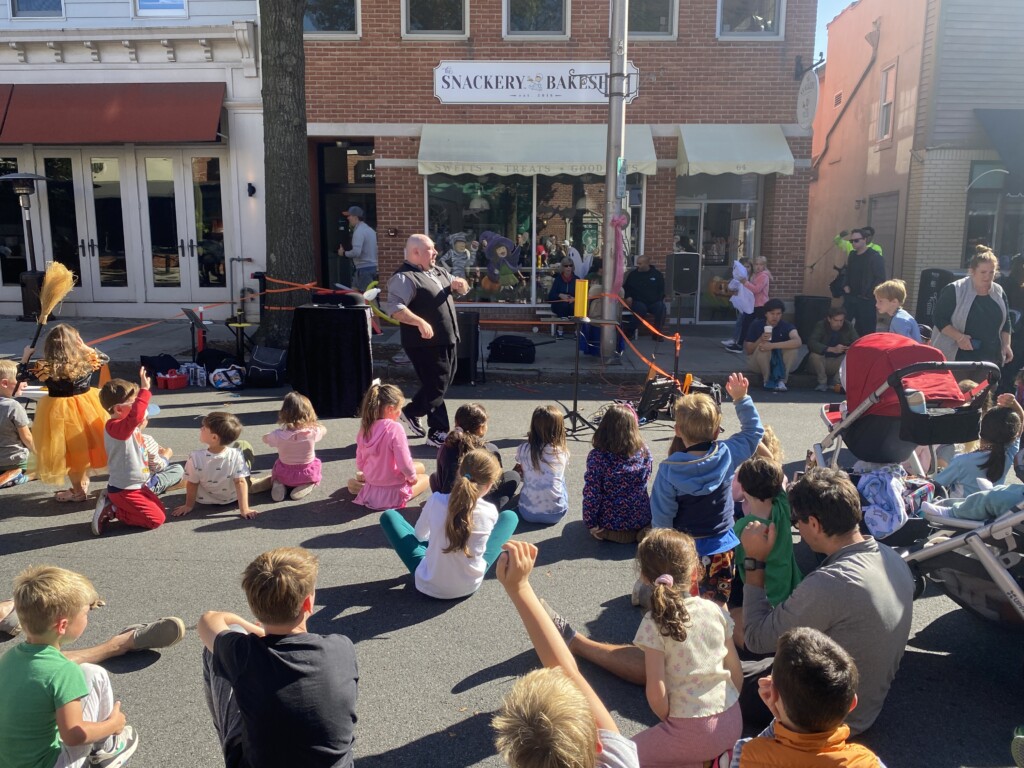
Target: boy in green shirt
{"type": "Point", "coordinates": [55, 713]}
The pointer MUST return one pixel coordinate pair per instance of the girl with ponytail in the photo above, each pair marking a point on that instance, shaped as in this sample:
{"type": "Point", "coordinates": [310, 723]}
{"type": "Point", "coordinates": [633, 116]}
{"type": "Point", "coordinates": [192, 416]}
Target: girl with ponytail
{"type": "Point", "coordinates": [693, 670]}
{"type": "Point", "coordinates": [458, 536]}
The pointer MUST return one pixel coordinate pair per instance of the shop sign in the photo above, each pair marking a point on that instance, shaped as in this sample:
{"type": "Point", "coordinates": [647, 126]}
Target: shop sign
{"type": "Point", "coordinates": [527, 82]}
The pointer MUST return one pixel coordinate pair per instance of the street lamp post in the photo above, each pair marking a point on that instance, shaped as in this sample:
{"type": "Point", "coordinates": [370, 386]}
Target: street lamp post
{"type": "Point", "coordinates": [24, 185]}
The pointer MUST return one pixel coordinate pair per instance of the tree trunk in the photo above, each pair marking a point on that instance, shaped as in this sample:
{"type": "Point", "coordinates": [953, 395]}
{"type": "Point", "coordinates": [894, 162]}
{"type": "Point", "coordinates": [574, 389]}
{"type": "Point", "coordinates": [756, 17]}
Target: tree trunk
{"type": "Point", "coordinates": [289, 223]}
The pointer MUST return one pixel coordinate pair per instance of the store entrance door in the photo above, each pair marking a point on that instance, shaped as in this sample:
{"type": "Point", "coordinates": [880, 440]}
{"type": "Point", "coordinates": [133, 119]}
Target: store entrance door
{"type": "Point", "coordinates": [346, 178]}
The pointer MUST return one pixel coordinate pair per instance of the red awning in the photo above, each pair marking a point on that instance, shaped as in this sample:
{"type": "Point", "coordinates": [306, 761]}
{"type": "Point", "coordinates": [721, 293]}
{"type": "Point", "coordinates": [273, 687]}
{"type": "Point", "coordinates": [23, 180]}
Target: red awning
{"type": "Point", "coordinates": [142, 113]}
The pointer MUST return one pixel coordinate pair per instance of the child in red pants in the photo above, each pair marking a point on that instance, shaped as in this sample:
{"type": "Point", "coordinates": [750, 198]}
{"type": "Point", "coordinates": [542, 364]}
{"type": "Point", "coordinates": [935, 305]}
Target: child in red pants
{"type": "Point", "coordinates": [127, 497]}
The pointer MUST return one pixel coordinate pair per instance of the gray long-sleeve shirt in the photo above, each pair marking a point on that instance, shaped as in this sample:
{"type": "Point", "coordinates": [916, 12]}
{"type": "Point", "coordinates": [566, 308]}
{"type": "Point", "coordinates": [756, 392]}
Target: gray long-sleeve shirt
{"type": "Point", "coordinates": [364, 246]}
{"type": "Point", "coordinates": [862, 597]}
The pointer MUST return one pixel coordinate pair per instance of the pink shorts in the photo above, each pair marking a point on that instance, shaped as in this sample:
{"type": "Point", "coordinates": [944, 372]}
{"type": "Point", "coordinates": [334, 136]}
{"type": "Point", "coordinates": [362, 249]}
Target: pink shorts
{"type": "Point", "coordinates": [294, 475]}
{"type": "Point", "coordinates": [682, 742]}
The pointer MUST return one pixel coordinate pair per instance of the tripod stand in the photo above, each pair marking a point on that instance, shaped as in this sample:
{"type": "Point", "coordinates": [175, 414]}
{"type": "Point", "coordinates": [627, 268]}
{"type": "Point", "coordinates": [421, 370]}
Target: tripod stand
{"type": "Point", "coordinates": [577, 422]}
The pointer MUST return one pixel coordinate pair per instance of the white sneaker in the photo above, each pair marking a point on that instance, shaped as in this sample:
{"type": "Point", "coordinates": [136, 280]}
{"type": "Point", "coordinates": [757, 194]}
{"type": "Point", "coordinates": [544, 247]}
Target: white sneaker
{"type": "Point", "coordinates": [125, 744]}
{"type": "Point", "coordinates": [781, 387]}
{"type": "Point", "coordinates": [277, 491]}
{"type": "Point", "coordinates": [821, 388]}
{"type": "Point", "coordinates": [302, 491]}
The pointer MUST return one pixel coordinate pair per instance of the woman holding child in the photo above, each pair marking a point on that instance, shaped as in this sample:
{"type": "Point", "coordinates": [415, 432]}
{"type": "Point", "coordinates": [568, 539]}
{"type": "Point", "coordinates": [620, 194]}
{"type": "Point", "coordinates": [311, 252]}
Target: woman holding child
{"type": "Point", "coordinates": [971, 315]}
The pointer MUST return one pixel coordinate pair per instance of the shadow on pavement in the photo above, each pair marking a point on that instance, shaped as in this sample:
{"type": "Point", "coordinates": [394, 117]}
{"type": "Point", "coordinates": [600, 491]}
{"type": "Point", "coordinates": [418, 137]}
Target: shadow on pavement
{"type": "Point", "coordinates": [458, 746]}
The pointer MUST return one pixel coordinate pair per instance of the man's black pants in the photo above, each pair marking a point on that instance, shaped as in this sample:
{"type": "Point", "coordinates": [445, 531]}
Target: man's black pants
{"type": "Point", "coordinates": [435, 368]}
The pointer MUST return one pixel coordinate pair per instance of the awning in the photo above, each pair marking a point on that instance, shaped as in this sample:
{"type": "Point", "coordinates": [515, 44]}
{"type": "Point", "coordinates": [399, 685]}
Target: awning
{"type": "Point", "coordinates": [143, 113]}
{"type": "Point", "coordinates": [530, 150]}
{"type": "Point", "coordinates": [733, 148]}
{"type": "Point", "coordinates": [1005, 129]}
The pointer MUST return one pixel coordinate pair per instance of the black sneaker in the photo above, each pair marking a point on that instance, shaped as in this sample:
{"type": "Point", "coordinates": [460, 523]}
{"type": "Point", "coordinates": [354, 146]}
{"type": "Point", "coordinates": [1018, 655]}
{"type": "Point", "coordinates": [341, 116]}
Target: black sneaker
{"type": "Point", "coordinates": [413, 425]}
{"type": "Point", "coordinates": [564, 628]}
{"type": "Point", "coordinates": [436, 438]}
{"type": "Point", "coordinates": [125, 744]}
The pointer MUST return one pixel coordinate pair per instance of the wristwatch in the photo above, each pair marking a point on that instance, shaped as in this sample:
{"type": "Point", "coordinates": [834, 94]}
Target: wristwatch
{"type": "Point", "coordinates": [750, 564]}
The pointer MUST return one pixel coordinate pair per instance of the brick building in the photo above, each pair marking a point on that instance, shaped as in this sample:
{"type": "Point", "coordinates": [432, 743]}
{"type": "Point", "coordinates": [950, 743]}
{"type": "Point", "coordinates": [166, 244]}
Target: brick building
{"type": "Point", "coordinates": [716, 163]}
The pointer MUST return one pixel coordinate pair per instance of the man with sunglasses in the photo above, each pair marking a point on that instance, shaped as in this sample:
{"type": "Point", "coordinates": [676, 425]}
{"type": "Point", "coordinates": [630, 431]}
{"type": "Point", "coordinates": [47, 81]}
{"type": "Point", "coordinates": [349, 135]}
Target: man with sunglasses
{"type": "Point", "coordinates": [861, 595]}
{"type": "Point", "coordinates": [865, 269]}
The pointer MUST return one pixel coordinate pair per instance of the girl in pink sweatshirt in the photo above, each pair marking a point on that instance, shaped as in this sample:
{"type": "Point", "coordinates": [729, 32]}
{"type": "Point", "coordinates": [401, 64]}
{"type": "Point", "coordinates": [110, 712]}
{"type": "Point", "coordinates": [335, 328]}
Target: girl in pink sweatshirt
{"type": "Point", "coordinates": [297, 466]}
{"type": "Point", "coordinates": [386, 477]}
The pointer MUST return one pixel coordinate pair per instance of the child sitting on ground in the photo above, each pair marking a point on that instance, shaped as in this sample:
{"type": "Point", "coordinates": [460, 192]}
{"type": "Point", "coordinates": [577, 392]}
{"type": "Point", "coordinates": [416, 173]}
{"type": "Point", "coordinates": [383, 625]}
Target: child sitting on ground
{"type": "Point", "coordinates": [889, 298]}
{"type": "Point", "coordinates": [692, 490]}
{"type": "Point", "coordinates": [551, 717]}
{"type": "Point", "coordinates": [693, 670]}
{"type": "Point", "coordinates": [813, 686]}
{"type": "Point", "coordinates": [616, 504]}
{"type": "Point", "coordinates": [54, 712]}
{"type": "Point", "coordinates": [468, 435]}
{"type": "Point", "coordinates": [279, 694]}
{"type": "Point", "coordinates": [15, 430]}
{"type": "Point", "coordinates": [386, 476]}
{"type": "Point", "coordinates": [458, 535]}
{"type": "Point", "coordinates": [542, 460]}
{"type": "Point", "coordinates": [219, 474]}
{"type": "Point", "coordinates": [127, 497]}
{"type": "Point", "coordinates": [297, 466]}
{"type": "Point", "coordinates": [1000, 442]}
{"type": "Point", "coordinates": [163, 476]}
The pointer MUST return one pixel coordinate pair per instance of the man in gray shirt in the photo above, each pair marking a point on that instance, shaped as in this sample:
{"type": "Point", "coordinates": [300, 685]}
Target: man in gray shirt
{"type": "Point", "coordinates": [861, 595]}
{"type": "Point", "coordinates": [364, 249]}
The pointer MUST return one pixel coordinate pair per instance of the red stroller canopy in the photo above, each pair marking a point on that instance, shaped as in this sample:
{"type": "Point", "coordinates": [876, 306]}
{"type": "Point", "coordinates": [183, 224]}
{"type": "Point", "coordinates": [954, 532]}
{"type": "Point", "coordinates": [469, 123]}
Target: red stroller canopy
{"type": "Point", "coordinates": [872, 358]}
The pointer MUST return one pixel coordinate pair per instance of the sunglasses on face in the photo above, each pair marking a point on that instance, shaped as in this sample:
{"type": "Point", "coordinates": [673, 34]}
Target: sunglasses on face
{"type": "Point", "coordinates": [856, 239]}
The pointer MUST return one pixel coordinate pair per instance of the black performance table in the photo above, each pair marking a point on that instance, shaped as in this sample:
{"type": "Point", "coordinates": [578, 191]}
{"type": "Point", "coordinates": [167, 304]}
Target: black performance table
{"type": "Point", "coordinates": [329, 357]}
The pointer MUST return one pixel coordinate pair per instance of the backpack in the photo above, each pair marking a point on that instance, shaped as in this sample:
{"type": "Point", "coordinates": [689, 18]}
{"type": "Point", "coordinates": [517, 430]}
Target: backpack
{"type": "Point", "coordinates": [511, 349]}
{"type": "Point", "coordinates": [838, 285]}
{"type": "Point", "coordinates": [211, 359]}
{"type": "Point", "coordinates": [155, 364]}
{"type": "Point", "coordinates": [266, 367]}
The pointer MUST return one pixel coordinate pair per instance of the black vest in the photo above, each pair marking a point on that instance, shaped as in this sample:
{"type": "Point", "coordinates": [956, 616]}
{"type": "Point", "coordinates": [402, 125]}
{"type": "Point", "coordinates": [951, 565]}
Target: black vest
{"type": "Point", "coordinates": [434, 303]}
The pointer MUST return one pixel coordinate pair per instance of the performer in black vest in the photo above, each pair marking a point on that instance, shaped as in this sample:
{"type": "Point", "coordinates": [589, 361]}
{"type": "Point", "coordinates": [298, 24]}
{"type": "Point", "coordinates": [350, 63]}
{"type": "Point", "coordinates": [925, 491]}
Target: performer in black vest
{"type": "Point", "coordinates": [420, 298]}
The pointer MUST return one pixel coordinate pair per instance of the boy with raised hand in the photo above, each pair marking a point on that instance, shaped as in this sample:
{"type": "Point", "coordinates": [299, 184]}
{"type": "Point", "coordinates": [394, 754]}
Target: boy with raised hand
{"type": "Point", "coordinates": [279, 694]}
{"type": "Point", "coordinates": [54, 712]}
{"type": "Point", "coordinates": [552, 717]}
{"type": "Point", "coordinates": [812, 688]}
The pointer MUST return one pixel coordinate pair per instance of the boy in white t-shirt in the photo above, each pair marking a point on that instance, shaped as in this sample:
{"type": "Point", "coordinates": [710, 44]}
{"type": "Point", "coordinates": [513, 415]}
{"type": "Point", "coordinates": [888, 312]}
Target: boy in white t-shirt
{"type": "Point", "coordinates": [219, 474]}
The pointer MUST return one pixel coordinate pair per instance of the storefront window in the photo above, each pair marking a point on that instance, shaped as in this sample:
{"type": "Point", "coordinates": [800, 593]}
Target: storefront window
{"type": "Point", "coordinates": [984, 194]}
{"type": "Point", "coordinates": [12, 232]}
{"type": "Point", "coordinates": [330, 16]}
{"type": "Point", "coordinates": [33, 8]}
{"type": "Point", "coordinates": [570, 214]}
{"type": "Point", "coordinates": [536, 17]}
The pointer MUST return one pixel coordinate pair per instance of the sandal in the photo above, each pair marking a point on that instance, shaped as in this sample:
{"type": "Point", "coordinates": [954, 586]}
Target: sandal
{"type": "Point", "coordinates": [71, 496]}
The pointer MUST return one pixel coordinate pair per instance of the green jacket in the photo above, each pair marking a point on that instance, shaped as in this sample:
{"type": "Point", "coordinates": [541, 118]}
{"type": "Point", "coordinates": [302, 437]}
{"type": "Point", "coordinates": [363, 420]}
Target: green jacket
{"type": "Point", "coordinates": [781, 574]}
{"type": "Point", "coordinates": [819, 336]}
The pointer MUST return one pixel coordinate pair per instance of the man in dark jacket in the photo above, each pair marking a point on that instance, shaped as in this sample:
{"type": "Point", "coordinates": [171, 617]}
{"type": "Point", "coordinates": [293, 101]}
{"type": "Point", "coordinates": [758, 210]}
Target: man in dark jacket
{"type": "Point", "coordinates": [645, 291]}
{"type": "Point", "coordinates": [827, 345]}
{"type": "Point", "coordinates": [420, 297]}
{"type": "Point", "coordinates": [865, 269]}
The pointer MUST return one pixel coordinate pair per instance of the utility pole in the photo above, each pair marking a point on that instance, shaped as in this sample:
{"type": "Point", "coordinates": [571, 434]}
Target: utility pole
{"type": "Point", "coordinates": [615, 167]}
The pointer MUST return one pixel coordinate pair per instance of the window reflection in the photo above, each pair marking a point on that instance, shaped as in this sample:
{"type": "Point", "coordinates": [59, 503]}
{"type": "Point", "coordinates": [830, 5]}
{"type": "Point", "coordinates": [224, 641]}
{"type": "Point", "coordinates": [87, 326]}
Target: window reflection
{"type": "Point", "coordinates": [209, 235]}
{"type": "Point", "coordinates": [13, 259]}
{"type": "Point", "coordinates": [163, 222]}
{"type": "Point", "coordinates": [109, 215]}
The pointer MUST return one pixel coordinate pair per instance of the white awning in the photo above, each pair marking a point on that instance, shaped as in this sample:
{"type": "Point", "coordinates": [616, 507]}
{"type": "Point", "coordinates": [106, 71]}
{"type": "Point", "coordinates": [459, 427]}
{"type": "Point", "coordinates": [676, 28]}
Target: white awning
{"type": "Point", "coordinates": [732, 148]}
{"type": "Point", "coordinates": [530, 150]}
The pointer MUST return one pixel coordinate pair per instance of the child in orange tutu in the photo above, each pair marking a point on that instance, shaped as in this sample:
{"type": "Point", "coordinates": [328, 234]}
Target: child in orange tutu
{"type": "Point", "coordinates": [68, 428]}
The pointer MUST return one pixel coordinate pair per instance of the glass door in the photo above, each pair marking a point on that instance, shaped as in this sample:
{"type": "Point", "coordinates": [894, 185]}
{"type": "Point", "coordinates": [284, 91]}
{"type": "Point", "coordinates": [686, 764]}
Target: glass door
{"type": "Point", "coordinates": [13, 253]}
{"type": "Point", "coordinates": [686, 239]}
{"type": "Point", "coordinates": [183, 226]}
{"type": "Point", "coordinates": [82, 221]}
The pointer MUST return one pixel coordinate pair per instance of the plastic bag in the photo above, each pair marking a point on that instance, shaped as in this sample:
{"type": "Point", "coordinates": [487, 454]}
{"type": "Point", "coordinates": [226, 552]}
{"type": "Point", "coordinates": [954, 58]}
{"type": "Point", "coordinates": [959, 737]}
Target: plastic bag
{"type": "Point", "coordinates": [231, 377]}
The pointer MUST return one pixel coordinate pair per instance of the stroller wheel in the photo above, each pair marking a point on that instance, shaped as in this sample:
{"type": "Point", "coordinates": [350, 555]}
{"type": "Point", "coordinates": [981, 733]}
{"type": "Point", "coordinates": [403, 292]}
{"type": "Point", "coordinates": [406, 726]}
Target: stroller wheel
{"type": "Point", "coordinates": [920, 584]}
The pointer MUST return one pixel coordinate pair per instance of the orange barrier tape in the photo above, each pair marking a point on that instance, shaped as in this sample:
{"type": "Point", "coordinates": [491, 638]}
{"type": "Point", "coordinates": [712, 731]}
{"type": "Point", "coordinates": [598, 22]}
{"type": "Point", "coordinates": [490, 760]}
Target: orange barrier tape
{"type": "Point", "coordinates": [650, 363]}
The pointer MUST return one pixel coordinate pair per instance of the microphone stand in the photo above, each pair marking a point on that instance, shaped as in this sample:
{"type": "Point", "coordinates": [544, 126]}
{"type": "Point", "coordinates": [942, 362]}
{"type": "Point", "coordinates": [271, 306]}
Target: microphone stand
{"type": "Point", "coordinates": [577, 422]}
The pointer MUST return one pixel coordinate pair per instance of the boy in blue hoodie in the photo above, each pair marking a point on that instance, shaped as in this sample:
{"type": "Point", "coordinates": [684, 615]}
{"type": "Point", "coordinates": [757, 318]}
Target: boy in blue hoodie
{"type": "Point", "coordinates": [692, 490]}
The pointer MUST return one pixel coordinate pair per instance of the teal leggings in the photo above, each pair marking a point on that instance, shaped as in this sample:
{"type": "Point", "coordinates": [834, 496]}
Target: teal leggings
{"type": "Point", "coordinates": [402, 537]}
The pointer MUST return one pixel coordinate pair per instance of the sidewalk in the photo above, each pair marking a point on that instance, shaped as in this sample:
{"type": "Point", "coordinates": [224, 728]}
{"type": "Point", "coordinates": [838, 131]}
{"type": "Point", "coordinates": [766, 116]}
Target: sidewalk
{"type": "Point", "coordinates": [701, 353]}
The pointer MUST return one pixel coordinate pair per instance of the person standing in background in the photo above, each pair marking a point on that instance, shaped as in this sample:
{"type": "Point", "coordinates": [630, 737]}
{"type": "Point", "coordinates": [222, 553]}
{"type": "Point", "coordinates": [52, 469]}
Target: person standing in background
{"type": "Point", "coordinates": [364, 249]}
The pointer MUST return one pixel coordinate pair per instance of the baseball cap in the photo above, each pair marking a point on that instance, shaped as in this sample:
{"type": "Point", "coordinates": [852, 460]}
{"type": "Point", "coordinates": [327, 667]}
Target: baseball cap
{"type": "Point", "coordinates": [356, 211]}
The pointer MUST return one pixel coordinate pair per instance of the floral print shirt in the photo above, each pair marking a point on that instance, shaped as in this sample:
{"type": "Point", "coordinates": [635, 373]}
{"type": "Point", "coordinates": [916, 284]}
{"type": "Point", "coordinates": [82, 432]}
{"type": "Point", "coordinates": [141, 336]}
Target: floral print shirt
{"type": "Point", "coordinates": [615, 493]}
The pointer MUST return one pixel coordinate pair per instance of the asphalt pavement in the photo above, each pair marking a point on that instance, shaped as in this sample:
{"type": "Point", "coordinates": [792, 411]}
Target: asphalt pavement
{"type": "Point", "coordinates": [432, 673]}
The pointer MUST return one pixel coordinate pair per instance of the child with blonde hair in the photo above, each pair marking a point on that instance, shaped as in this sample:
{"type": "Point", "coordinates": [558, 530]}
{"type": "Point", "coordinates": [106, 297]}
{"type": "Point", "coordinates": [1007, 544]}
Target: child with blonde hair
{"type": "Point", "coordinates": [297, 466]}
{"type": "Point", "coordinates": [542, 460]}
{"type": "Point", "coordinates": [889, 298]}
{"type": "Point", "coordinates": [54, 712]}
{"type": "Point", "coordinates": [386, 476]}
{"type": "Point", "coordinates": [693, 670]}
{"type": "Point", "coordinates": [616, 504]}
{"type": "Point", "coordinates": [692, 490]}
{"type": "Point", "coordinates": [68, 427]}
{"type": "Point", "coordinates": [458, 535]}
{"type": "Point", "coordinates": [15, 430]}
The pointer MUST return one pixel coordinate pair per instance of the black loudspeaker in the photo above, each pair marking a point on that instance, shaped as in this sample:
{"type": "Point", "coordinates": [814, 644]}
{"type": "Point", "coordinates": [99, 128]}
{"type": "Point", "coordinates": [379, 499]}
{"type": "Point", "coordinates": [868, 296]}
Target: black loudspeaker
{"type": "Point", "coordinates": [467, 351]}
{"type": "Point", "coordinates": [932, 282]}
{"type": "Point", "coordinates": [810, 310]}
{"type": "Point", "coordinates": [682, 273]}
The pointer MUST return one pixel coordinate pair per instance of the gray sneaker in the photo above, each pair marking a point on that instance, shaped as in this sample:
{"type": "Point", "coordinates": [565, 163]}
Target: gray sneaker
{"type": "Point", "coordinates": [564, 628]}
{"type": "Point", "coordinates": [436, 438]}
{"type": "Point", "coordinates": [277, 491]}
{"type": "Point", "coordinates": [413, 425]}
{"type": "Point", "coordinates": [125, 744]}
{"type": "Point", "coordinates": [105, 512]}
{"type": "Point", "coordinates": [161, 633]}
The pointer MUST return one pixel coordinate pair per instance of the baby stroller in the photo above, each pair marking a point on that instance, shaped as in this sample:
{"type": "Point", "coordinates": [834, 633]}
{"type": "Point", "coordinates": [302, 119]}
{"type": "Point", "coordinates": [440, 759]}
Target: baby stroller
{"type": "Point", "coordinates": [878, 423]}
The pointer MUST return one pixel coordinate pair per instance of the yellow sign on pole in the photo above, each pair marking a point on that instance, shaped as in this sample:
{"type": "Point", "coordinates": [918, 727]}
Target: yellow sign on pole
{"type": "Point", "coordinates": [579, 307]}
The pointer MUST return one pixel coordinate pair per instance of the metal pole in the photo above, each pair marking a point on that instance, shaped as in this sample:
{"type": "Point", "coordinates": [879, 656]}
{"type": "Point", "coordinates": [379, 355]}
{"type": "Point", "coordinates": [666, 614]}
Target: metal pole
{"type": "Point", "coordinates": [26, 202]}
{"type": "Point", "coordinates": [617, 88]}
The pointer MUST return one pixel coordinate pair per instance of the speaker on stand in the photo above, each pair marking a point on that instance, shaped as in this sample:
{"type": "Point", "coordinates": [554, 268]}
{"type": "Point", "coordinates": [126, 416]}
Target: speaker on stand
{"type": "Point", "coordinates": [682, 278]}
{"type": "Point", "coordinates": [467, 351]}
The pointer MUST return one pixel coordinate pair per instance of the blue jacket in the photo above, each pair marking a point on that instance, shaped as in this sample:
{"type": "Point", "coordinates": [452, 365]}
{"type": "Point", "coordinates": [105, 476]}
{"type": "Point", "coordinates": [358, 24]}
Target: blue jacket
{"type": "Point", "coordinates": [692, 493]}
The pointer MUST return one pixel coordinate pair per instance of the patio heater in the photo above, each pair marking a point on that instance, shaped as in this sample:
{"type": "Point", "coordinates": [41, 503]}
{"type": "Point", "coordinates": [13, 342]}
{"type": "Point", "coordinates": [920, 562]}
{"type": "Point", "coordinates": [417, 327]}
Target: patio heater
{"type": "Point", "coordinates": [24, 185]}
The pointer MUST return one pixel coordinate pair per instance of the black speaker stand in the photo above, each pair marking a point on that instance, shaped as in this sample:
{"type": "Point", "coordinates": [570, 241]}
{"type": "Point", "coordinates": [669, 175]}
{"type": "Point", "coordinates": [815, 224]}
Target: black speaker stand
{"type": "Point", "coordinates": [577, 422]}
